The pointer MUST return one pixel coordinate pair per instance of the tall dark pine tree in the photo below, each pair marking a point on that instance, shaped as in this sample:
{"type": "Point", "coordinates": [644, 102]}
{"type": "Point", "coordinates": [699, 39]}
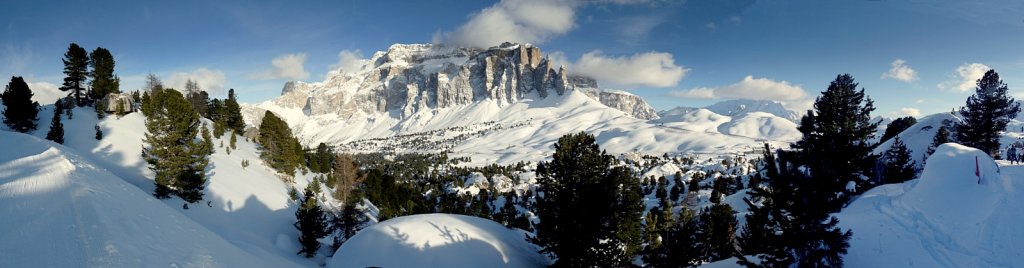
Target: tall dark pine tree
{"type": "Point", "coordinates": [898, 165]}
{"type": "Point", "coordinates": [56, 133]}
{"type": "Point", "coordinates": [720, 232]}
{"type": "Point", "coordinates": [589, 211]}
{"type": "Point", "coordinates": [835, 144]}
{"type": "Point", "coordinates": [281, 150]}
{"type": "Point", "coordinates": [233, 113]}
{"type": "Point", "coordinates": [103, 79]}
{"type": "Point", "coordinates": [20, 111]}
{"type": "Point", "coordinates": [311, 223]}
{"type": "Point", "coordinates": [682, 245]}
{"type": "Point", "coordinates": [172, 149]}
{"type": "Point", "coordinates": [941, 137]}
{"type": "Point", "coordinates": [987, 113]}
{"type": "Point", "coordinates": [76, 64]}
{"type": "Point", "coordinates": [789, 228]}
{"type": "Point", "coordinates": [200, 99]}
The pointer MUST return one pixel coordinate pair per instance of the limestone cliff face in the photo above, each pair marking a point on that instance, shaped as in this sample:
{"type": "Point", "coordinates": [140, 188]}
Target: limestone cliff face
{"type": "Point", "coordinates": [406, 79]}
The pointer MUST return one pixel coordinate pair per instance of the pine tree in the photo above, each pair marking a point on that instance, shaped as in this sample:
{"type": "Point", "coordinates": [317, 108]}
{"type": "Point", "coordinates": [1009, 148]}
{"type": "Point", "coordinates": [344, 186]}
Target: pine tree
{"type": "Point", "coordinates": [720, 232]}
{"type": "Point", "coordinates": [76, 63]}
{"type": "Point", "coordinates": [898, 165]}
{"type": "Point", "coordinates": [104, 81]}
{"type": "Point", "coordinates": [896, 126]}
{"type": "Point", "coordinates": [99, 133]}
{"type": "Point", "coordinates": [987, 113]}
{"type": "Point", "coordinates": [172, 149]}
{"type": "Point", "coordinates": [20, 111]}
{"type": "Point", "coordinates": [233, 113]}
{"type": "Point", "coordinates": [56, 133]}
{"type": "Point", "coordinates": [233, 141]}
{"type": "Point", "coordinates": [791, 227]}
{"type": "Point", "coordinates": [311, 223]}
{"type": "Point", "coordinates": [835, 144]}
{"type": "Point", "coordinates": [941, 137]}
{"type": "Point", "coordinates": [281, 150]}
{"type": "Point", "coordinates": [199, 99]}
{"type": "Point", "coordinates": [605, 231]}
{"type": "Point", "coordinates": [681, 245]}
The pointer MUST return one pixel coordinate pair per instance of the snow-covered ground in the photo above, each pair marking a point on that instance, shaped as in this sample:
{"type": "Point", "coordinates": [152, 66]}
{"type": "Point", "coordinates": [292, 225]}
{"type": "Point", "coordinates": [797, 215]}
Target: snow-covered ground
{"type": "Point", "coordinates": [944, 219]}
{"type": "Point", "coordinates": [62, 209]}
{"type": "Point", "coordinates": [249, 207]}
{"type": "Point", "coordinates": [438, 240]}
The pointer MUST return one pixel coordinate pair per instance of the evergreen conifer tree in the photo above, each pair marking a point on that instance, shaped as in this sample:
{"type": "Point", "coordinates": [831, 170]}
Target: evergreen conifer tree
{"type": "Point", "coordinates": [172, 149]}
{"type": "Point", "coordinates": [941, 137]}
{"type": "Point", "coordinates": [281, 150]}
{"type": "Point", "coordinates": [898, 165]}
{"type": "Point", "coordinates": [20, 111]}
{"type": "Point", "coordinates": [99, 133]}
{"type": "Point", "coordinates": [720, 232]}
{"type": "Point", "coordinates": [835, 144]}
{"type": "Point", "coordinates": [76, 63]}
{"type": "Point", "coordinates": [606, 230]}
{"type": "Point", "coordinates": [233, 113]}
{"type": "Point", "coordinates": [681, 245]}
{"type": "Point", "coordinates": [311, 223]}
{"type": "Point", "coordinates": [104, 81]}
{"type": "Point", "coordinates": [56, 133]}
{"type": "Point", "coordinates": [987, 113]}
{"type": "Point", "coordinates": [790, 228]}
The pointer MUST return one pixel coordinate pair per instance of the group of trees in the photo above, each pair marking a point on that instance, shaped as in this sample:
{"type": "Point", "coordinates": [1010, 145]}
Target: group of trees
{"type": "Point", "coordinates": [280, 149]}
{"type": "Point", "coordinates": [77, 63]}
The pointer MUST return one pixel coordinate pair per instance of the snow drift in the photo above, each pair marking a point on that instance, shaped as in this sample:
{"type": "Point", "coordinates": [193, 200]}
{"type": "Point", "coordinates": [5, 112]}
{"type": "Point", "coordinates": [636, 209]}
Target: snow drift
{"type": "Point", "coordinates": [944, 219]}
{"type": "Point", "coordinates": [438, 240]}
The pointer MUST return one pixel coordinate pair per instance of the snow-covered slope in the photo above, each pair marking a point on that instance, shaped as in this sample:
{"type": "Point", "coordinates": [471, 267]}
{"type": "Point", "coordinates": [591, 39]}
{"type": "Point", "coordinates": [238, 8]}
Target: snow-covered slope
{"type": "Point", "coordinates": [249, 206]}
{"type": "Point", "coordinates": [760, 124]}
{"type": "Point", "coordinates": [438, 240]}
{"type": "Point", "coordinates": [919, 136]}
{"type": "Point", "coordinates": [61, 209]}
{"type": "Point", "coordinates": [944, 219]}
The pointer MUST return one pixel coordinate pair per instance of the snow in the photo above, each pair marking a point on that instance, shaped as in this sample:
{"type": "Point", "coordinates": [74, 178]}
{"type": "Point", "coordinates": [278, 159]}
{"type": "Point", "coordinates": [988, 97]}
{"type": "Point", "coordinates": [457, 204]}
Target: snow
{"type": "Point", "coordinates": [944, 219]}
{"type": "Point", "coordinates": [438, 240]}
{"type": "Point", "coordinates": [249, 207]}
{"type": "Point", "coordinates": [63, 210]}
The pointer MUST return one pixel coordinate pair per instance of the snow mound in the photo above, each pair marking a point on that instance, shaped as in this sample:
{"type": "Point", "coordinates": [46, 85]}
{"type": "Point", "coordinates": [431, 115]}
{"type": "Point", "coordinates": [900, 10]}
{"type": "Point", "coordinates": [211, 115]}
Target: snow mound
{"type": "Point", "coordinates": [762, 125]}
{"type": "Point", "coordinates": [63, 210]}
{"type": "Point", "coordinates": [438, 240]}
{"type": "Point", "coordinates": [944, 219]}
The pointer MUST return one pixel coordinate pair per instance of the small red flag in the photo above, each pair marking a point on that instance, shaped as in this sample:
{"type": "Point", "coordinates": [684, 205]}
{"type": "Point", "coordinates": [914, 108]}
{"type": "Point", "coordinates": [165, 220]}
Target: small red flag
{"type": "Point", "coordinates": [977, 169]}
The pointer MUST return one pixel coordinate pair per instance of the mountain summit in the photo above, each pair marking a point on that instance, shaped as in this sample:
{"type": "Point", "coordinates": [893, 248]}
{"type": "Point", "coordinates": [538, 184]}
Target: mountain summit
{"type": "Point", "coordinates": [408, 78]}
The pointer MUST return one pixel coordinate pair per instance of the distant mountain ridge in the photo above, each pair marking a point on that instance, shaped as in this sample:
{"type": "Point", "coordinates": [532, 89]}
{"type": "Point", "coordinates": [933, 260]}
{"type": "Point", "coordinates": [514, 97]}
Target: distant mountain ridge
{"type": "Point", "coordinates": [739, 108]}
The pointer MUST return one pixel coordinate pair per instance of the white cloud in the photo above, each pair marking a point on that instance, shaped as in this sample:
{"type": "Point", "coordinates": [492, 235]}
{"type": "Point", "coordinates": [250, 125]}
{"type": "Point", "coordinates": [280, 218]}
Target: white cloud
{"type": "Point", "coordinates": [966, 77]}
{"type": "Point", "coordinates": [287, 66]}
{"type": "Point", "coordinates": [907, 112]}
{"type": "Point", "coordinates": [634, 30]}
{"type": "Point", "coordinates": [527, 21]}
{"type": "Point", "coordinates": [900, 71]}
{"type": "Point", "coordinates": [748, 88]}
{"type": "Point", "coordinates": [211, 81]}
{"type": "Point", "coordinates": [349, 61]}
{"type": "Point", "coordinates": [655, 69]}
{"type": "Point", "coordinates": [45, 92]}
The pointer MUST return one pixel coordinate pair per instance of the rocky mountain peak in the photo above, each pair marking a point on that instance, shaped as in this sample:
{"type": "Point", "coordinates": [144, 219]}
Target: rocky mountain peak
{"type": "Point", "coordinates": [407, 78]}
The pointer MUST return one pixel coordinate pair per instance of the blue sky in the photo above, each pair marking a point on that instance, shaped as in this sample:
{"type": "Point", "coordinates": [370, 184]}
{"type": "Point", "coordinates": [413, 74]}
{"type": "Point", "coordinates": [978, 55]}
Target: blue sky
{"type": "Point", "coordinates": [913, 57]}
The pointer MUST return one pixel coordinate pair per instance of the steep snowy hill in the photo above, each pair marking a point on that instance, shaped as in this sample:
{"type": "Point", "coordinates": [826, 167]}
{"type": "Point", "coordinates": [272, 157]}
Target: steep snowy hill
{"type": "Point", "coordinates": [438, 240]}
{"type": "Point", "coordinates": [499, 104]}
{"type": "Point", "coordinates": [249, 206]}
{"type": "Point", "coordinates": [944, 219]}
{"type": "Point", "coordinates": [61, 209]}
{"type": "Point", "coordinates": [919, 136]}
